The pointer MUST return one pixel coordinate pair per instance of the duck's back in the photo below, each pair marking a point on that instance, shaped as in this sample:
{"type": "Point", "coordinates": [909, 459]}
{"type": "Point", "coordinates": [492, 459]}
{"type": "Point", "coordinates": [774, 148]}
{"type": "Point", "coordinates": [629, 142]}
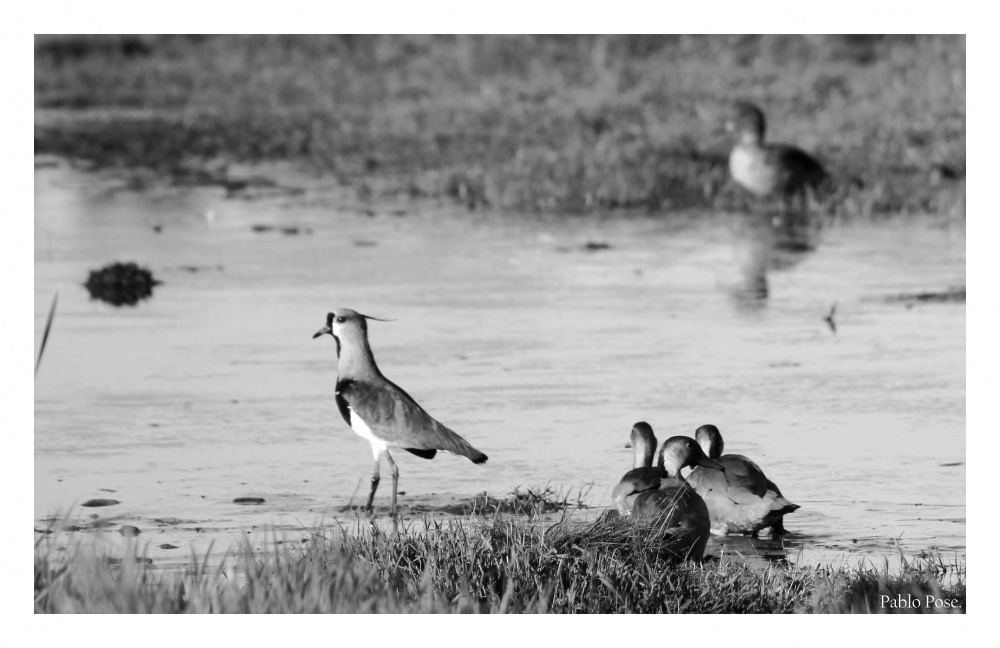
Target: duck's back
{"type": "Point", "coordinates": [742, 476]}
{"type": "Point", "coordinates": [741, 501]}
{"type": "Point", "coordinates": [634, 483]}
{"type": "Point", "coordinates": [677, 508]}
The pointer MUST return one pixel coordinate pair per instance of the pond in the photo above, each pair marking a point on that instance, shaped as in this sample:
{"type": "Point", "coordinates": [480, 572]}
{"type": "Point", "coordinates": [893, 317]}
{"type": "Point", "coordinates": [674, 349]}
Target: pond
{"type": "Point", "coordinates": [541, 340]}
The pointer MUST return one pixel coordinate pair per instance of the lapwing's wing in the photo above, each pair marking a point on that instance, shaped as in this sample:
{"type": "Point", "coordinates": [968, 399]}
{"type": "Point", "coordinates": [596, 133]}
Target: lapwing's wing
{"type": "Point", "coordinates": [393, 416]}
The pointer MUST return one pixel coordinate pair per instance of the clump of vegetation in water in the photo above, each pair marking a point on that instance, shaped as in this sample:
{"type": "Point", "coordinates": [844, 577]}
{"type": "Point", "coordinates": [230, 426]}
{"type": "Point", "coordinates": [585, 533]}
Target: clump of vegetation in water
{"type": "Point", "coordinates": [495, 564]}
{"type": "Point", "coordinates": [121, 284]}
{"type": "Point", "coordinates": [527, 123]}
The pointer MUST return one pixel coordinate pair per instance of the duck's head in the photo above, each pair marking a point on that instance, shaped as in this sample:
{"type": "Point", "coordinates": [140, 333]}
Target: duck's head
{"type": "Point", "coordinates": [643, 441]}
{"type": "Point", "coordinates": [747, 121]}
{"type": "Point", "coordinates": [710, 440]}
{"type": "Point", "coordinates": [683, 452]}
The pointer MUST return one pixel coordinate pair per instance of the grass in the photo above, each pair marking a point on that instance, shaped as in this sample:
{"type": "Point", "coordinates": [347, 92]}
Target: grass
{"type": "Point", "coordinates": [526, 123]}
{"type": "Point", "coordinates": [494, 564]}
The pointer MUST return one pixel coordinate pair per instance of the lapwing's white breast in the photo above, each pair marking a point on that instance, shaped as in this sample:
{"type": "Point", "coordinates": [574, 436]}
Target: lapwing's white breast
{"type": "Point", "coordinates": [362, 430]}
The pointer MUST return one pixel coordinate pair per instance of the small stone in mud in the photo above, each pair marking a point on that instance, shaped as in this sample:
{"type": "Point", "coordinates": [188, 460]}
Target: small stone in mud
{"type": "Point", "coordinates": [167, 545]}
{"type": "Point", "coordinates": [129, 531]}
{"type": "Point", "coordinates": [262, 228]}
{"type": "Point", "coordinates": [72, 528]}
{"type": "Point", "coordinates": [157, 228]}
{"type": "Point", "coordinates": [121, 284]}
{"type": "Point", "coordinates": [100, 502]}
{"type": "Point", "coordinates": [198, 268]}
{"type": "Point", "coordinates": [593, 246]}
{"type": "Point", "coordinates": [296, 230]}
{"type": "Point", "coordinates": [248, 500]}
{"type": "Point", "coordinates": [43, 531]}
{"type": "Point", "coordinates": [954, 294]}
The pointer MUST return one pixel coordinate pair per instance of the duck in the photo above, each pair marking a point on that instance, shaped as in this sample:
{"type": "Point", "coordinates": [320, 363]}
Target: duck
{"type": "Point", "coordinates": [675, 508]}
{"type": "Point", "coordinates": [766, 169]}
{"type": "Point", "coordinates": [643, 476]}
{"type": "Point", "coordinates": [746, 502]}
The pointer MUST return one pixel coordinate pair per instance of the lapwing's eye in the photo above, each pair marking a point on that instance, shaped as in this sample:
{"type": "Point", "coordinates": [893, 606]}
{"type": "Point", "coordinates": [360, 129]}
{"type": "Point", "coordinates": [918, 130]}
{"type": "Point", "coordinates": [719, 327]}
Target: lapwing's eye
{"type": "Point", "coordinates": [341, 320]}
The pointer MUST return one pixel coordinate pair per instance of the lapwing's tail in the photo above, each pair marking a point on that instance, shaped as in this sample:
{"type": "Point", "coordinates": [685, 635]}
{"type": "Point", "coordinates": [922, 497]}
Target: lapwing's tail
{"type": "Point", "coordinates": [464, 448]}
{"type": "Point", "coordinates": [439, 437]}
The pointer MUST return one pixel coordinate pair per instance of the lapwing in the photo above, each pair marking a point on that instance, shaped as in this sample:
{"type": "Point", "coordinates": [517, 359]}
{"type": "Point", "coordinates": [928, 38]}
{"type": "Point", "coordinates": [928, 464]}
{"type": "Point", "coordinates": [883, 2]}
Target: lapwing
{"type": "Point", "coordinates": [378, 410]}
{"type": "Point", "coordinates": [746, 501]}
{"type": "Point", "coordinates": [769, 169]}
{"type": "Point", "coordinates": [643, 476]}
{"type": "Point", "coordinates": [675, 508]}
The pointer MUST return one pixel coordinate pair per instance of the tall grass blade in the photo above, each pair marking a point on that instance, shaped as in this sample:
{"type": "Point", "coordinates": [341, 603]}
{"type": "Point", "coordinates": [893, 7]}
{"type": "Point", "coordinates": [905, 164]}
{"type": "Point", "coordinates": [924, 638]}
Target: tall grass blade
{"type": "Point", "coordinates": [45, 334]}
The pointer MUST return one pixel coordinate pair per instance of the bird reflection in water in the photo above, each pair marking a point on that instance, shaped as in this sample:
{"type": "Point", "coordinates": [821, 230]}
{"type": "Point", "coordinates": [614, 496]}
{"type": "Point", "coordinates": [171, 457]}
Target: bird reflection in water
{"type": "Point", "coordinates": [762, 245]}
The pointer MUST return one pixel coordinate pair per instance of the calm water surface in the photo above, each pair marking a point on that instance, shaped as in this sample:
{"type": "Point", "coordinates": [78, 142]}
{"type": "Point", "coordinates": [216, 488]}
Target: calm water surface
{"type": "Point", "coordinates": [538, 350]}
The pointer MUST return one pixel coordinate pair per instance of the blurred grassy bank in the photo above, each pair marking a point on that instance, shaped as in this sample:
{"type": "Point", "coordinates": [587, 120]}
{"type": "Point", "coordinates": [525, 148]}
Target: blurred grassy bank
{"type": "Point", "coordinates": [527, 123]}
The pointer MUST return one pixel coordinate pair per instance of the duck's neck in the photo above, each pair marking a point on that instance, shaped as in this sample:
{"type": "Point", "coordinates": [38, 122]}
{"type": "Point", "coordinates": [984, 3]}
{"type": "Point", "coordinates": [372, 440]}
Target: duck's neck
{"type": "Point", "coordinates": [751, 139]}
{"type": "Point", "coordinates": [711, 447]}
{"type": "Point", "coordinates": [672, 471]}
{"type": "Point", "coordinates": [642, 454]}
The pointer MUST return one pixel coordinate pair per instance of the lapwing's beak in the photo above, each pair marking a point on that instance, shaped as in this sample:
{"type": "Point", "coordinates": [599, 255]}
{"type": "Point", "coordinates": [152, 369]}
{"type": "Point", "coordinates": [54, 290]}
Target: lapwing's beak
{"type": "Point", "coordinates": [711, 463]}
{"type": "Point", "coordinates": [323, 331]}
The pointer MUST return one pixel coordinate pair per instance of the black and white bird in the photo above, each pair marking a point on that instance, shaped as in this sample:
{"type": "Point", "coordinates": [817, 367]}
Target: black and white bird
{"type": "Point", "coordinates": [378, 410]}
{"type": "Point", "coordinates": [766, 169]}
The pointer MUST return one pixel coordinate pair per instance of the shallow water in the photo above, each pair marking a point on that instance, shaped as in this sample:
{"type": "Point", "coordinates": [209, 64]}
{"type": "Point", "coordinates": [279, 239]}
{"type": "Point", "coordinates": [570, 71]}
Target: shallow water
{"type": "Point", "coordinates": [538, 350]}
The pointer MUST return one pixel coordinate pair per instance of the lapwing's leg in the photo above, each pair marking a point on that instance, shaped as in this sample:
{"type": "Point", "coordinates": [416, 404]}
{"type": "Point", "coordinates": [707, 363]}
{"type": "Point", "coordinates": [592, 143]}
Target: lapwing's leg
{"type": "Point", "coordinates": [375, 480]}
{"type": "Point", "coordinates": [395, 481]}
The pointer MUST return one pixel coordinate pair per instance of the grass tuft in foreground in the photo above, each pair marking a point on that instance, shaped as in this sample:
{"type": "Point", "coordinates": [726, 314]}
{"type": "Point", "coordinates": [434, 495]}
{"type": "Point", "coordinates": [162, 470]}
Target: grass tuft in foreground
{"type": "Point", "coordinates": [497, 564]}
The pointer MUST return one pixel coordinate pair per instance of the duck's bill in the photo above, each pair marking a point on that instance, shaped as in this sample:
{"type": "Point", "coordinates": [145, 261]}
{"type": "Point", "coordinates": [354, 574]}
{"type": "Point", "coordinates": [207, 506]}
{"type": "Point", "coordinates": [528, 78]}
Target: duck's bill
{"type": "Point", "coordinates": [705, 462]}
{"type": "Point", "coordinates": [323, 331]}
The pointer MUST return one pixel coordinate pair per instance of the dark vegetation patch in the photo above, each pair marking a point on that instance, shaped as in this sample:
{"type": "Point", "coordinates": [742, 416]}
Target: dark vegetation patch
{"type": "Point", "coordinates": [529, 123]}
{"type": "Point", "coordinates": [100, 502]}
{"type": "Point", "coordinates": [121, 284]}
